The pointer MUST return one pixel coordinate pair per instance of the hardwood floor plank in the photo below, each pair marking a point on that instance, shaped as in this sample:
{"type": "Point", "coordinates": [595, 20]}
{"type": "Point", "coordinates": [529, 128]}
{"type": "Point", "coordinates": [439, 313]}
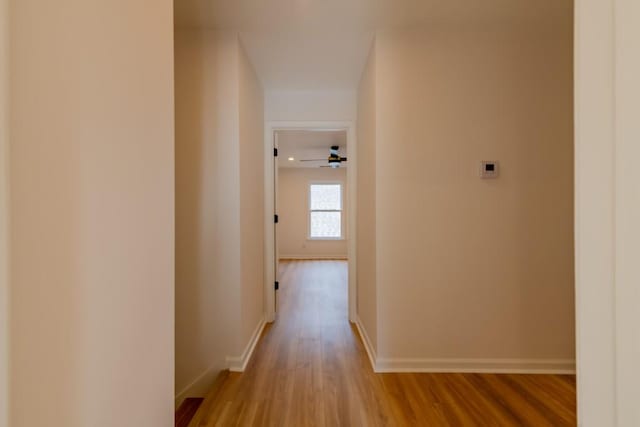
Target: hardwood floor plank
{"type": "Point", "coordinates": [187, 411]}
{"type": "Point", "coordinates": [310, 368]}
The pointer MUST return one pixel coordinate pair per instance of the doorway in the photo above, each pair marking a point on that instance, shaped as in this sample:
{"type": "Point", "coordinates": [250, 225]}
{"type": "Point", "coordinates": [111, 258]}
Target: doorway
{"type": "Point", "coordinates": [310, 188]}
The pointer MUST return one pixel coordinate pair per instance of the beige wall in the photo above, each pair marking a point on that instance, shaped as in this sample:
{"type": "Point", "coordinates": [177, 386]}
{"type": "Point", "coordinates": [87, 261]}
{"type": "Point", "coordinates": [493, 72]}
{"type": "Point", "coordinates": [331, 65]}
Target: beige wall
{"type": "Point", "coordinates": [293, 213]}
{"type": "Point", "coordinates": [337, 105]}
{"type": "Point", "coordinates": [219, 205]}
{"type": "Point", "coordinates": [469, 268]}
{"type": "Point", "coordinates": [92, 204]}
{"type": "Point", "coordinates": [366, 203]}
{"type": "Point", "coordinates": [251, 198]}
{"type": "Point", "coordinates": [4, 214]}
{"type": "Point", "coordinates": [207, 204]}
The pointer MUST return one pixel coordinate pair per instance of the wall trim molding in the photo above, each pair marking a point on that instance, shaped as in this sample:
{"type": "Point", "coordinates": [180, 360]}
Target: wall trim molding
{"type": "Point", "coordinates": [200, 386]}
{"type": "Point", "coordinates": [455, 365]}
{"type": "Point", "coordinates": [239, 363]}
{"type": "Point", "coordinates": [480, 366]}
{"type": "Point", "coordinates": [312, 257]}
{"type": "Point", "coordinates": [371, 351]}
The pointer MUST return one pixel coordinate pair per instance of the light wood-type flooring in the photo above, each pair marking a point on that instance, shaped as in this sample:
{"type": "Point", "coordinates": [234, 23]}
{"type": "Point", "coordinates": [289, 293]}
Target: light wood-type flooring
{"type": "Point", "coordinates": [310, 369]}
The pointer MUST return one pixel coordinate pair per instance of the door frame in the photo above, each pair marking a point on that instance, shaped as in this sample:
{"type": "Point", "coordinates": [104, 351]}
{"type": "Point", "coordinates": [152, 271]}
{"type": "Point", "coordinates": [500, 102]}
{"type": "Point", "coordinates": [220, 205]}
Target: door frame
{"type": "Point", "coordinates": [4, 214]}
{"type": "Point", "coordinates": [269, 206]}
{"type": "Point", "coordinates": [606, 210]}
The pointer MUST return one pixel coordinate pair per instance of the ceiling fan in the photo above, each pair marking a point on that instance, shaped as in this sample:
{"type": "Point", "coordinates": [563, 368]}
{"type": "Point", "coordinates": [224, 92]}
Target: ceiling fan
{"type": "Point", "coordinates": [334, 158]}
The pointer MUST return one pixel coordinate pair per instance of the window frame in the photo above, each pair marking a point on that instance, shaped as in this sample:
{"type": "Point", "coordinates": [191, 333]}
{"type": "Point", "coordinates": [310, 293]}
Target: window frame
{"type": "Point", "coordinates": [310, 211]}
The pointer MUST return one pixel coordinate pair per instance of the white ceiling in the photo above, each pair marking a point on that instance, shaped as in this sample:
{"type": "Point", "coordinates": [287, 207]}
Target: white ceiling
{"type": "Point", "coordinates": [305, 144]}
{"type": "Point", "coordinates": [323, 44]}
{"type": "Point", "coordinates": [308, 61]}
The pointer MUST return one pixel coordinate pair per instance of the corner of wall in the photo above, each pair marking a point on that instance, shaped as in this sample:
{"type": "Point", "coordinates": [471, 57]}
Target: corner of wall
{"type": "Point", "coordinates": [4, 213]}
{"type": "Point", "coordinates": [251, 167]}
{"type": "Point", "coordinates": [239, 363]}
{"type": "Point", "coordinates": [368, 312]}
{"type": "Point", "coordinates": [368, 346]}
{"type": "Point", "coordinates": [199, 386]}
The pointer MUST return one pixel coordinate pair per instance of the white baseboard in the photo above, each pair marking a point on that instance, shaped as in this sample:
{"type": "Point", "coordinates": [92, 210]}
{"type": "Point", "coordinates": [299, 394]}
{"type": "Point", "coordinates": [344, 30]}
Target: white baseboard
{"type": "Point", "coordinates": [200, 386]}
{"type": "Point", "coordinates": [486, 366]}
{"type": "Point", "coordinates": [312, 257]}
{"type": "Point", "coordinates": [371, 352]}
{"type": "Point", "coordinates": [239, 363]}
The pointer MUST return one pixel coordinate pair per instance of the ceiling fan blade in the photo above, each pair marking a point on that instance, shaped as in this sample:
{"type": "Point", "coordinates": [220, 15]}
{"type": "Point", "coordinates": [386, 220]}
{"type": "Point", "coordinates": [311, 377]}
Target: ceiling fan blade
{"type": "Point", "coordinates": [313, 160]}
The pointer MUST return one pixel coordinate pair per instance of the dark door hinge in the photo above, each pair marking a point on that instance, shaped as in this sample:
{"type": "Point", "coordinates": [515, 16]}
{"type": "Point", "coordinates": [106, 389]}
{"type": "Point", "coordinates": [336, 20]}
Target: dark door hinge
{"type": "Point", "coordinates": [275, 152]}
{"type": "Point", "coordinates": [277, 285]}
{"type": "Point", "coordinates": [275, 219]}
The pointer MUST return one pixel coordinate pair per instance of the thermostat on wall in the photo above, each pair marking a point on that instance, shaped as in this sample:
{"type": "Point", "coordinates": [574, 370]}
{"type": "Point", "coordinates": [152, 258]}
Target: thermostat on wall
{"type": "Point", "coordinates": [489, 169]}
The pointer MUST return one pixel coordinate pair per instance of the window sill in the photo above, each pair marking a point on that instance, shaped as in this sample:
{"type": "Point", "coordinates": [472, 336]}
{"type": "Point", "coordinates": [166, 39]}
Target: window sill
{"type": "Point", "coordinates": [315, 239]}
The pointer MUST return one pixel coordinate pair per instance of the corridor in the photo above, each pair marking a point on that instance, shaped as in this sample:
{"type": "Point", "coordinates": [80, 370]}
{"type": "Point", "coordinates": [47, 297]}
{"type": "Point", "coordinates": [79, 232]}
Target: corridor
{"type": "Point", "coordinates": [311, 369]}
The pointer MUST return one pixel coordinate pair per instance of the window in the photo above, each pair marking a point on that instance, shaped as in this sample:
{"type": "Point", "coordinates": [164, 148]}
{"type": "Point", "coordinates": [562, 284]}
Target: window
{"type": "Point", "coordinates": [325, 211]}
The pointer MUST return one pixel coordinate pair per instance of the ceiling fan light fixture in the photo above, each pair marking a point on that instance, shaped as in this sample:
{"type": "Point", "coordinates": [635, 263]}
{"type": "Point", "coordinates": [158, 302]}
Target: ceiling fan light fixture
{"type": "Point", "coordinates": [334, 159]}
